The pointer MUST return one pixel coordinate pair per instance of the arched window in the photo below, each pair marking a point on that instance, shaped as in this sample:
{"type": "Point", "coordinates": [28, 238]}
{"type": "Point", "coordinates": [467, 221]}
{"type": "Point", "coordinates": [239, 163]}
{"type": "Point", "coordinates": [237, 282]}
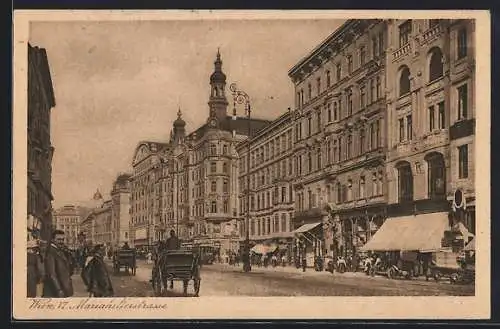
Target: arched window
{"type": "Point", "coordinates": [435, 64]}
{"type": "Point", "coordinates": [405, 182]}
{"type": "Point", "coordinates": [436, 176]}
{"type": "Point", "coordinates": [404, 81]}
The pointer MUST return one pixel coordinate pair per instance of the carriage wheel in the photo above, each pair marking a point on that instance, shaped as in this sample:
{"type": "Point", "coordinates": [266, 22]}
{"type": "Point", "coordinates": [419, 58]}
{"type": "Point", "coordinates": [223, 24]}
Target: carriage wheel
{"type": "Point", "coordinates": [133, 270]}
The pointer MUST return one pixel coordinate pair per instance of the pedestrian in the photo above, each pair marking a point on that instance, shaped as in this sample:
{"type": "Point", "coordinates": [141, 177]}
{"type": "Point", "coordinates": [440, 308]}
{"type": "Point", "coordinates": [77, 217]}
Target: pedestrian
{"type": "Point", "coordinates": [304, 264]}
{"type": "Point", "coordinates": [58, 281]}
{"type": "Point", "coordinates": [95, 275]}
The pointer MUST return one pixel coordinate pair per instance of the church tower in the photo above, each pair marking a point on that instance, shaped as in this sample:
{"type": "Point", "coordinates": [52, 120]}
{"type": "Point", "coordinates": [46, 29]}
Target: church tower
{"type": "Point", "coordinates": [217, 102]}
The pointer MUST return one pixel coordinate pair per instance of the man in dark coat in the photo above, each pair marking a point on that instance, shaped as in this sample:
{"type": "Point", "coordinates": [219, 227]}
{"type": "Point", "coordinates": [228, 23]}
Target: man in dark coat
{"type": "Point", "coordinates": [95, 274]}
{"type": "Point", "coordinates": [58, 269]}
{"type": "Point", "coordinates": [173, 241]}
{"type": "Point", "coordinates": [35, 270]}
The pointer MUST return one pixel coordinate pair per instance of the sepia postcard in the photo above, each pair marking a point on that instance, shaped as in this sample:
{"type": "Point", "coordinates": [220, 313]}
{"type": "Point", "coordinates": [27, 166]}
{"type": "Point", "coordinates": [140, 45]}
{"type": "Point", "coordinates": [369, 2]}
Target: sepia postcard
{"type": "Point", "coordinates": [251, 165]}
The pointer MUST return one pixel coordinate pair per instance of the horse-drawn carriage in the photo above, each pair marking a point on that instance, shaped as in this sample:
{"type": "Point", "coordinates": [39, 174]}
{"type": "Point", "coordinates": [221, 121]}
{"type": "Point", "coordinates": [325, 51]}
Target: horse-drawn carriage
{"type": "Point", "coordinates": [124, 258]}
{"type": "Point", "coordinates": [176, 265]}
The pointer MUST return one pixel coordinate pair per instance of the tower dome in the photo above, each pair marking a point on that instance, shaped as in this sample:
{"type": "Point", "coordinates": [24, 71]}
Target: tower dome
{"type": "Point", "coordinates": [218, 75]}
{"type": "Point", "coordinates": [179, 122]}
{"type": "Point", "coordinates": [97, 195]}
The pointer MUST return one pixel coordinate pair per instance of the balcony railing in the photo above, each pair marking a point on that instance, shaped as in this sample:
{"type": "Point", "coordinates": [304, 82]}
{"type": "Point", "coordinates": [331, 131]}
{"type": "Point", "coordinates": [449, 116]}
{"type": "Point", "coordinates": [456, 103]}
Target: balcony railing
{"type": "Point", "coordinates": [401, 52]}
{"type": "Point", "coordinates": [431, 33]}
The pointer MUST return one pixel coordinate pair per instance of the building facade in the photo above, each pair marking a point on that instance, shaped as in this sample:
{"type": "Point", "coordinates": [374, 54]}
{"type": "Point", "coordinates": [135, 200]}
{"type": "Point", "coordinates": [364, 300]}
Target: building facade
{"type": "Point", "coordinates": [339, 139]}
{"type": "Point", "coordinates": [189, 184]}
{"type": "Point", "coordinates": [40, 150]}
{"type": "Point", "coordinates": [120, 210]}
{"type": "Point", "coordinates": [67, 219]}
{"type": "Point", "coordinates": [430, 108]}
{"type": "Point", "coordinates": [271, 192]}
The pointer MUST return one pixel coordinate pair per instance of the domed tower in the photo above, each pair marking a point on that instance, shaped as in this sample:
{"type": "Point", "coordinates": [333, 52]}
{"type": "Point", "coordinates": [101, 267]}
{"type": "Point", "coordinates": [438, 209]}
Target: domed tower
{"type": "Point", "coordinates": [179, 132]}
{"type": "Point", "coordinates": [217, 102]}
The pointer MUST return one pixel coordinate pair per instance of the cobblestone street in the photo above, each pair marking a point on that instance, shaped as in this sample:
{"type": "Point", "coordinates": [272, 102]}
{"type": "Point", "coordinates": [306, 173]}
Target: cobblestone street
{"type": "Point", "coordinates": [225, 280]}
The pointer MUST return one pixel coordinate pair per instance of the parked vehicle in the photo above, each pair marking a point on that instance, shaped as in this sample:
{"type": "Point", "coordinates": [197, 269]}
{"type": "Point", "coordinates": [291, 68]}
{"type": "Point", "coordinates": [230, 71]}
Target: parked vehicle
{"type": "Point", "coordinates": [124, 258]}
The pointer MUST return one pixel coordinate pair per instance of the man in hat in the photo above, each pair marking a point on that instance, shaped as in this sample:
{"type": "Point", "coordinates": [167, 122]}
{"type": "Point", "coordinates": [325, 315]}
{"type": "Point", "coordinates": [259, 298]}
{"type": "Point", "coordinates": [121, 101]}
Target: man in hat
{"type": "Point", "coordinates": [95, 274]}
{"type": "Point", "coordinates": [58, 268]}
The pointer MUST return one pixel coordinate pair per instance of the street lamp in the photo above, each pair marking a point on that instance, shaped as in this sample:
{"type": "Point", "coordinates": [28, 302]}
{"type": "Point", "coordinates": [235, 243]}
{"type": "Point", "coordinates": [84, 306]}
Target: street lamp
{"type": "Point", "coordinates": [241, 97]}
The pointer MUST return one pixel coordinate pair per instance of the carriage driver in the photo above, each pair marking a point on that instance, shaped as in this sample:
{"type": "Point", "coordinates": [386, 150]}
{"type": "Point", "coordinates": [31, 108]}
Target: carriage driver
{"type": "Point", "coordinates": [172, 243]}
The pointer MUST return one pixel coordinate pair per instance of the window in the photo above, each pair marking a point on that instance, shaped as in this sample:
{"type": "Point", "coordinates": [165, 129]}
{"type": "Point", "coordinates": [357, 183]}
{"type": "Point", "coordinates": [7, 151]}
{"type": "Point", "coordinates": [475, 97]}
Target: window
{"type": "Point", "coordinates": [437, 182]}
{"type": "Point", "coordinates": [226, 206]}
{"type": "Point", "coordinates": [362, 97]}
{"type": "Point", "coordinates": [401, 129]}
{"type": "Point", "coordinates": [309, 162]}
{"type": "Point", "coordinates": [213, 167]}
{"type": "Point", "coordinates": [340, 149]}
{"type": "Point", "coordinates": [318, 86]}
{"type": "Point", "coordinates": [318, 159]}
{"type": "Point", "coordinates": [381, 43]}
{"type": "Point", "coordinates": [339, 71]}
{"type": "Point", "coordinates": [349, 190]}
{"type": "Point", "coordinates": [462, 102]}
{"type": "Point", "coordinates": [361, 141]}
{"type": "Point", "coordinates": [362, 187]}
{"type": "Point", "coordinates": [224, 150]}
{"type": "Point", "coordinates": [372, 91]}
{"type": "Point", "coordinates": [225, 187]}
{"type": "Point", "coordinates": [436, 65]}
{"type": "Point", "coordinates": [213, 149]}
{"type": "Point", "coordinates": [329, 112]}
{"type": "Point", "coordinates": [349, 103]}
{"type": "Point", "coordinates": [462, 43]}
{"type": "Point", "coordinates": [405, 180]}
{"type": "Point", "coordinates": [283, 223]}
{"type": "Point", "coordinates": [431, 118]}
{"type": "Point", "coordinates": [283, 194]}
{"type": "Point", "coordinates": [309, 92]}
{"type": "Point", "coordinates": [309, 199]}
{"type": "Point", "coordinates": [339, 193]}
{"type": "Point", "coordinates": [297, 101]}
{"type": "Point", "coordinates": [224, 167]}
{"type": "Point", "coordinates": [309, 126]}
{"type": "Point", "coordinates": [213, 186]}
{"type": "Point", "coordinates": [349, 64]}
{"type": "Point", "coordinates": [374, 47]}
{"type": "Point", "coordinates": [335, 156]}
{"type": "Point", "coordinates": [463, 161]}
{"type": "Point", "coordinates": [318, 120]}
{"type": "Point", "coordinates": [441, 116]}
{"type": "Point", "coordinates": [328, 80]}
{"type": "Point", "coordinates": [349, 146]}
{"type": "Point", "coordinates": [404, 81]}
{"type": "Point", "coordinates": [409, 127]}
{"type": "Point", "coordinates": [404, 33]}
{"type": "Point", "coordinates": [335, 112]}
{"type": "Point", "coordinates": [379, 89]}
{"type": "Point", "coordinates": [213, 207]}
{"type": "Point", "coordinates": [362, 56]}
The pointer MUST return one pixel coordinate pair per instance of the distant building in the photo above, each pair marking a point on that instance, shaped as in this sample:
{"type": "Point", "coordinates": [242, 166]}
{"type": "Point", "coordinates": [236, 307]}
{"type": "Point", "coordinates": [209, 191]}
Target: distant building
{"type": "Point", "coordinates": [40, 150]}
{"type": "Point", "coordinates": [67, 219]}
{"type": "Point", "coordinates": [120, 210]}
{"type": "Point", "coordinates": [190, 183]}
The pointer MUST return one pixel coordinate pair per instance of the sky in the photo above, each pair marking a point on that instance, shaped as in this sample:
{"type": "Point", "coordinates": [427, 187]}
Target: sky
{"type": "Point", "coordinates": [117, 83]}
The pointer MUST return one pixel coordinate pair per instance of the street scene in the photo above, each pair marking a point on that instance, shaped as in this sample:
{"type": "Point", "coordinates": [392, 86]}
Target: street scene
{"type": "Point", "coordinates": [181, 159]}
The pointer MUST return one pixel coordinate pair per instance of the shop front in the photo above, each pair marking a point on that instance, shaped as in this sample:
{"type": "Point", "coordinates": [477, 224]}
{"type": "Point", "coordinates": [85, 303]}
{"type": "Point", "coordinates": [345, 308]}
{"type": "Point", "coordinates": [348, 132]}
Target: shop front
{"type": "Point", "coordinates": [308, 243]}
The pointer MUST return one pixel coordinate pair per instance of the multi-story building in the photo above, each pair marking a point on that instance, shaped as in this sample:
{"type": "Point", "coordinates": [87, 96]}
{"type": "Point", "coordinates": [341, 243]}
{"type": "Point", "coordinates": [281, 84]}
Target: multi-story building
{"type": "Point", "coordinates": [40, 150]}
{"type": "Point", "coordinates": [120, 210]}
{"type": "Point", "coordinates": [271, 192]}
{"type": "Point", "coordinates": [339, 139]}
{"type": "Point", "coordinates": [67, 219]}
{"type": "Point", "coordinates": [190, 183]}
{"type": "Point", "coordinates": [430, 111]}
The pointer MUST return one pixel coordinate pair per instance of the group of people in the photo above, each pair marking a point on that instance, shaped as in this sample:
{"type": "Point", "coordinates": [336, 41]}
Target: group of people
{"type": "Point", "coordinates": [51, 267]}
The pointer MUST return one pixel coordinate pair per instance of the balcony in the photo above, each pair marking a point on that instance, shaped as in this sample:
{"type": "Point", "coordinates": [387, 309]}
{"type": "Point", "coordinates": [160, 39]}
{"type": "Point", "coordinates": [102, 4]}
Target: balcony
{"type": "Point", "coordinates": [401, 52]}
{"type": "Point", "coordinates": [434, 86]}
{"type": "Point", "coordinates": [435, 138]}
{"type": "Point", "coordinates": [462, 128]}
{"type": "Point", "coordinates": [431, 34]}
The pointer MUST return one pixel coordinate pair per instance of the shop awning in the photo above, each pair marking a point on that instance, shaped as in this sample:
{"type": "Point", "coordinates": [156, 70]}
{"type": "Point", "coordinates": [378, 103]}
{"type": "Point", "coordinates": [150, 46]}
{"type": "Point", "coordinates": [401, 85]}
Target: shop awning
{"type": "Point", "coordinates": [263, 249]}
{"type": "Point", "coordinates": [471, 246]}
{"type": "Point", "coordinates": [306, 228]}
{"type": "Point", "coordinates": [422, 232]}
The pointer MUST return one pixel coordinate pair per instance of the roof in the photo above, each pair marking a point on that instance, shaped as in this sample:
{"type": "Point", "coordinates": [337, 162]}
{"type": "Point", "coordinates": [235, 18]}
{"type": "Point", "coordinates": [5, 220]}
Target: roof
{"type": "Point", "coordinates": [306, 227]}
{"type": "Point", "coordinates": [240, 125]}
